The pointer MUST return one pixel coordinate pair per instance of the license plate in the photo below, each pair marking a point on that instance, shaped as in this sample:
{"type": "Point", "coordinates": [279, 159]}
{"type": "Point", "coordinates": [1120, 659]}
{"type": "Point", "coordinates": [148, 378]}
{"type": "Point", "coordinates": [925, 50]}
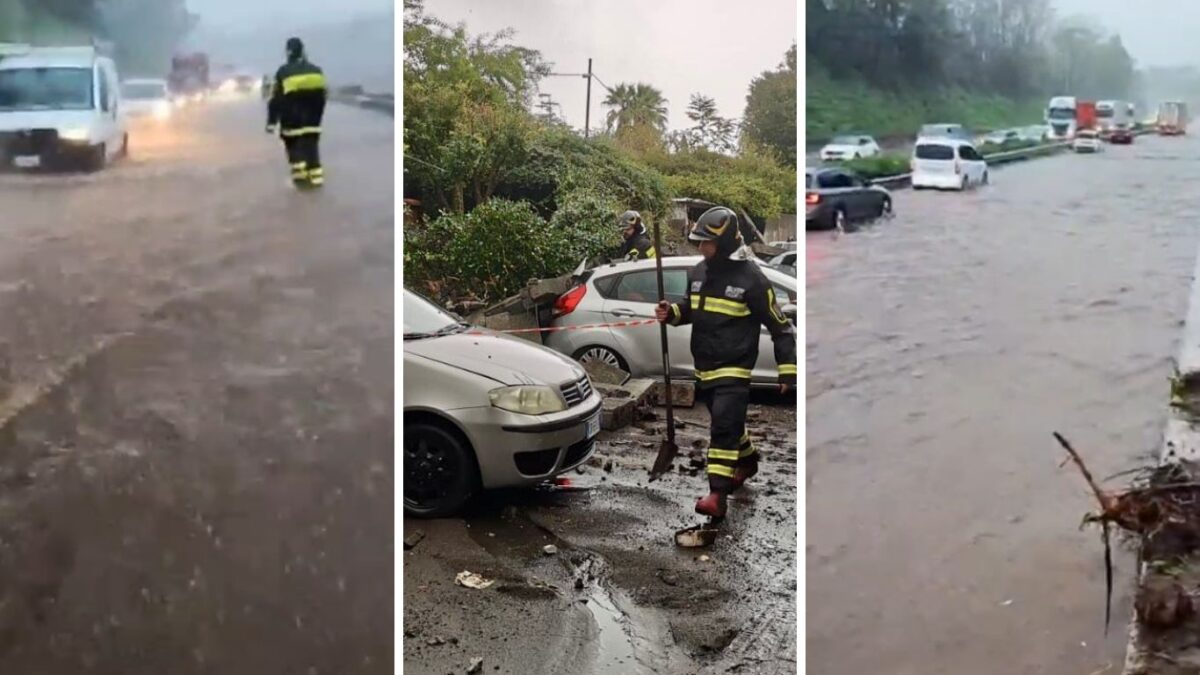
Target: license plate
{"type": "Point", "coordinates": [30, 162]}
{"type": "Point", "coordinates": [593, 426]}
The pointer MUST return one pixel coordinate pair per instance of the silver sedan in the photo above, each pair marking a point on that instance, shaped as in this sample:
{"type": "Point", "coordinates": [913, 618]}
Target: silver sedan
{"type": "Point", "coordinates": [625, 292]}
{"type": "Point", "coordinates": [485, 410]}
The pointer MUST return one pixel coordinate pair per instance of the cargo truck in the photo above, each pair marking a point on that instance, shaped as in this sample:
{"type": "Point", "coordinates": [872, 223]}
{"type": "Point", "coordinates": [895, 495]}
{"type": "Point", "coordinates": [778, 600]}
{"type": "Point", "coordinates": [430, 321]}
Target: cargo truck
{"type": "Point", "coordinates": [1172, 118]}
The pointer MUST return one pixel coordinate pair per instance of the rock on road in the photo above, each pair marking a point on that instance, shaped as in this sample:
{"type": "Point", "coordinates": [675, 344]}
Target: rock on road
{"type": "Point", "coordinates": [944, 347]}
{"type": "Point", "coordinates": [196, 406]}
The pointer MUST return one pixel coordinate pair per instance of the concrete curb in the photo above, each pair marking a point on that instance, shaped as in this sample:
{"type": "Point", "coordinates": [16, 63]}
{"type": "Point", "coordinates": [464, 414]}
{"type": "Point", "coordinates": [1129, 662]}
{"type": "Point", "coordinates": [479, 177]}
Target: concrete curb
{"type": "Point", "coordinates": [1181, 440]}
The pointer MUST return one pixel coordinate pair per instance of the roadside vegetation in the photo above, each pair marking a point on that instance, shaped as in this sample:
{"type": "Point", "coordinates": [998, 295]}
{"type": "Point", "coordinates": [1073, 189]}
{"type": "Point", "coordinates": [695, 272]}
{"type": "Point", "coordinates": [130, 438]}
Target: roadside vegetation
{"type": "Point", "coordinates": [505, 195]}
{"type": "Point", "coordinates": [885, 68]}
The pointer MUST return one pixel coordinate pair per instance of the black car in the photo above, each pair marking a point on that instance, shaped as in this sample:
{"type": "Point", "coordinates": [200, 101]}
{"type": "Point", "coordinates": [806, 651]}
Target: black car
{"type": "Point", "coordinates": [835, 197]}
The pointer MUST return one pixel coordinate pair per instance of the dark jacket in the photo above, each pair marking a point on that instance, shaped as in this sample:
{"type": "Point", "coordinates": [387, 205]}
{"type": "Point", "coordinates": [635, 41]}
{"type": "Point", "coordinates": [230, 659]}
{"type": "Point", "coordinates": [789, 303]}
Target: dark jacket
{"type": "Point", "coordinates": [298, 98]}
{"type": "Point", "coordinates": [637, 247]}
{"type": "Point", "coordinates": [726, 303]}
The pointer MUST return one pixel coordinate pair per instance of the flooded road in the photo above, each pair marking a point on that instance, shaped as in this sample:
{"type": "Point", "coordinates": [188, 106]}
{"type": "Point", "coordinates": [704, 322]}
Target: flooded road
{"type": "Point", "coordinates": [944, 347]}
{"type": "Point", "coordinates": [196, 406]}
{"type": "Point", "coordinates": [616, 597]}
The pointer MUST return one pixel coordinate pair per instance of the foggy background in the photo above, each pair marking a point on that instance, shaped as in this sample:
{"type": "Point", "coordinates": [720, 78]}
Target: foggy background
{"type": "Point", "coordinates": [352, 40]}
{"type": "Point", "coordinates": [713, 47]}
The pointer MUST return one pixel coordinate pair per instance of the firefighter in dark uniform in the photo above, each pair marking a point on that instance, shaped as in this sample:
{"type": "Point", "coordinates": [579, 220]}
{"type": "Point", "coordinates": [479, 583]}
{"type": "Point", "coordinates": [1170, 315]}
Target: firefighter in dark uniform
{"type": "Point", "coordinates": [296, 108]}
{"type": "Point", "coordinates": [728, 299]}
{"type": "Point", "coordinates": [637, 244]}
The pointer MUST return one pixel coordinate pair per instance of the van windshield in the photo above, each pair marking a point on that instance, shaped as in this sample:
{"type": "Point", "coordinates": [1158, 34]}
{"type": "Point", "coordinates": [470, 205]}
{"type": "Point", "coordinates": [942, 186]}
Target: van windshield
{"type": "Point", "coordinates": [46, 89]}
{"type": "Point", "coordinates": [144, 91]}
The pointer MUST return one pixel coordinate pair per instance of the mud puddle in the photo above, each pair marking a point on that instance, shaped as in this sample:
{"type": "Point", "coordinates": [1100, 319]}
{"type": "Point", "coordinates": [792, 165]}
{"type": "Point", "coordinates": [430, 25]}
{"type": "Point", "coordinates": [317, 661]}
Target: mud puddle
{"type": "Point", "coordinates": [617, 595]}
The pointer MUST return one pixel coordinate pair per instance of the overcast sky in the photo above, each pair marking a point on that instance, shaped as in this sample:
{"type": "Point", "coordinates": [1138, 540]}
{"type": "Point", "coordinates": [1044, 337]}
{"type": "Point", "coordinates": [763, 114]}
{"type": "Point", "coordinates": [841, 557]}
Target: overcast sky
{"type": "Point", "coordinates": [233, 13]}
{"type": "Point", "coordinates": [1155, 32]}
{"type": "Point", "coordinates": [714, 47]}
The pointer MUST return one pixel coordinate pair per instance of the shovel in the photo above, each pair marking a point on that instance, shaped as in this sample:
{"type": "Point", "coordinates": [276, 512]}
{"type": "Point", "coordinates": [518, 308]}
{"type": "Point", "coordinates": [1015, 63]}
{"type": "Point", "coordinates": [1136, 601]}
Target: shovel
{"type": "Point", "coordinates": [667, 450]}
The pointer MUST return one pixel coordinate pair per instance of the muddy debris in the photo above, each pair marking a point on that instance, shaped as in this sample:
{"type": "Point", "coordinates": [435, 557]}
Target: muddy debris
{"type": "Point", "coordinates": [550, 549]}
{"type": "Point", "coordinates": [1163, 603]}
{"type": "Point", "coordinates": [411, 541]}
{"type": "Point", "coordinates": [476, 665]}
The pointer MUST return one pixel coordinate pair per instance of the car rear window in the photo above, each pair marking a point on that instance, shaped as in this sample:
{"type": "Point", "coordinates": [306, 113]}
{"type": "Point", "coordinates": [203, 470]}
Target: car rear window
{"type": "Point", "coordinates": [934, 151]}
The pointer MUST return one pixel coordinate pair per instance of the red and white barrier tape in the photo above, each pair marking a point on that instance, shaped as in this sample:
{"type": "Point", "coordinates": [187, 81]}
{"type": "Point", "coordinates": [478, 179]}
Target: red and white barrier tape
{"type": "Point", "coordinates": [555, 329]}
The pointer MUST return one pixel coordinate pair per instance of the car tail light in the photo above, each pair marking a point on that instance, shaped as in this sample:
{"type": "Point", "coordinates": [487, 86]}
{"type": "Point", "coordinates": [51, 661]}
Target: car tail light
{"type": "Point", "coordinates": [567, 302]}
{"type": "Point", "coordinates": [812, 198]}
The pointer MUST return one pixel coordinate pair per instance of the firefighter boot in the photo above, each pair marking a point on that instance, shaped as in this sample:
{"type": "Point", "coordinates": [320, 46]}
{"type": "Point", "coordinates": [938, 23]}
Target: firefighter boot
{"type": "Point", "coordinates": [712, 506]}
{"type": "Point", "coordinates": [745, 470]}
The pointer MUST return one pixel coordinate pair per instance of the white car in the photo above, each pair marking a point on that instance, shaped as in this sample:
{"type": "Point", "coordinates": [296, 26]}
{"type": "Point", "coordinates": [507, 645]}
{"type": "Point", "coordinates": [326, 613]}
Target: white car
{"type": "Point", "coordinates": [1087, 140]}
{"type": "Point", "coordinates": [947, 164]}
{"type": "Point", "coordinates": [849, 147]}
{"type": "Point", "coordinates": [60, 107]}
{"type": "Point", "coordinates": [484, 410]}
{"type": "Point", "coordinates": [147, 98]}
{"type": "Point", "coordinates": [628, 291]}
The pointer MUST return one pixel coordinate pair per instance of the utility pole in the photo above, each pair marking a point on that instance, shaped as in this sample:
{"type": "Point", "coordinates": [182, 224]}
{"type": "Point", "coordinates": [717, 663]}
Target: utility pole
{"type": "Point", "coordinates": [587, 111]}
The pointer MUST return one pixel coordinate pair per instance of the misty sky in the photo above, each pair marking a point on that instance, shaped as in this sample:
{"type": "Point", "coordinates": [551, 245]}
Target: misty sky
{"type": "Point", "coordinates": [714, 47]}
{"type": "Point", "coordinates": [1155, 32]}
{"type": "Point", "coordinates": [232, 13]}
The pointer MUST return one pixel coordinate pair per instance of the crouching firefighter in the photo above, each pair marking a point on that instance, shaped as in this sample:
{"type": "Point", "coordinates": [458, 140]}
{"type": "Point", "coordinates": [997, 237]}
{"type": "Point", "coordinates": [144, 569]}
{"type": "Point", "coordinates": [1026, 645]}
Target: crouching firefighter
{"type": "Point", "coordinates": [728, 298]}
{"type": "Point", "coordinates": [295, 109]}
{"type": "Point", "coordinates": [637, 244]}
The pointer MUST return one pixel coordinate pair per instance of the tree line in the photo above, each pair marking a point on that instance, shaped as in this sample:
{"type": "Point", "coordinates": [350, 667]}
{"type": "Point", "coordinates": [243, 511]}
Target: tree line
{"type": "Point", "coordinates": [1017, 48]}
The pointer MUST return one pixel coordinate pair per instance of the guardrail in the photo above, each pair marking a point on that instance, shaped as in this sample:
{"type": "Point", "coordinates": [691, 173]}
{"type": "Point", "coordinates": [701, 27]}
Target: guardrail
{"type": "Point", "coordinates": [354, 95]}
{"type": "Point", "coordinates": [995, 159]}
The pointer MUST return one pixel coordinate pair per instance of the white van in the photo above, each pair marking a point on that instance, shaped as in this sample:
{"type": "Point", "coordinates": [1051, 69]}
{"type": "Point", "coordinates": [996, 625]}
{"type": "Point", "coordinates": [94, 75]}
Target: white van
{"type": "Point", "coordinates": [60, 107]}
{"type": "Point", "coordinates": [947, 164]}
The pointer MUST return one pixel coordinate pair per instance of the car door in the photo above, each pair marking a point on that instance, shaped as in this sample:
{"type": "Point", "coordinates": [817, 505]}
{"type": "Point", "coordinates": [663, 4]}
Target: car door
{"type": "Point", "coordinates": [634, 297]}
{"type": "Point", "coordinates": [108, 110]}
{"type": "Point", "coordinates": [837, 187]}
{"type": "Point", "coordinates": [970, 163]}
{"type": "Point", "coordinates": [766, 369]}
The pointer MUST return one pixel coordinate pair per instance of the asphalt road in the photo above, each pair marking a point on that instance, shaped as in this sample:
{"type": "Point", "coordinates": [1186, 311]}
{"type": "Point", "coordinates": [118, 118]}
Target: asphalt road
{"type": "Point", "coordinates": [944, 347]}
{"type": "Point", "coordinates": [196, 405]}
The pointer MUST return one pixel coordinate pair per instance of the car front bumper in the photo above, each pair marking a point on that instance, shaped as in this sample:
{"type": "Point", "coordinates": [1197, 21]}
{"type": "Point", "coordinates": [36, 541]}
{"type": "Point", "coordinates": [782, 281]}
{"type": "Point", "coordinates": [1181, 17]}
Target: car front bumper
{"type": "Point", "coordinates": [517, 450]}
{"type": "Point", "coordinates": [19, 147]}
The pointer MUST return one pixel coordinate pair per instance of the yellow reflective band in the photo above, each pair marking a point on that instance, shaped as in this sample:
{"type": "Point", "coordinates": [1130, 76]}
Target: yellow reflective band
{"type": "Point", "coordinates": [722, 306]}
{"type": "Point", "coordinates": [774, 309]}
{"type": "Point", "coordinates": [787, 369]}
{"type": "Point", "coordinates": [749, 451]}
{"type": "Point", "coordinates": [714, 453]}
{"type": "Point", "coordinates": [707, 375]}
{"type": "Point", "coordinates": [300, 131]}
{"type": "Point", "coordinates": [305, 82]}
{"type": "Point", "coordinates": [300, 165]}
{"type": "Point", "coordinates": [720, 470]}
{"type": "Point", "coordinates": [745, 438]}
{"type": "Point", "coordinates": [318, 171]}
{"type": "Point", "coordinates": [317, 180]}
{"type": "Point", "coordinates": [675, 312]}
{"type": "Point", "coordinates": [651, 253]}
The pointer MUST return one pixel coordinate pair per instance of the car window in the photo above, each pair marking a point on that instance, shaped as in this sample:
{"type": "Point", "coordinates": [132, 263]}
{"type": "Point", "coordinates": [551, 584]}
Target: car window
{"type": "Point", "coordinates": [834, 180]}
{"type": "Point", "coordinates": [968, 153]}
{"type": "Point", "coordinates": [606, 285]}
{"type": "Point", "coordinates": [642, 286]}
{"type": "Point", "coordinates": [808, 181]}
{"type": "Point", "coordinates": [934, 151]}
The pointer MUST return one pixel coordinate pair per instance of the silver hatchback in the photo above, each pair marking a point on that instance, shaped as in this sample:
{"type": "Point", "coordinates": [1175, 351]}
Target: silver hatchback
{"type": "Point", "coordinates": [624, 292]}
{"type": "Point", "coordinates": [485, 410]}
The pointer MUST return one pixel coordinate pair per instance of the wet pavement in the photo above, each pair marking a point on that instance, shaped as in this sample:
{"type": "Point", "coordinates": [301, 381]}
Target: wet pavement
{"type": "Point", "coordinates": [616, 596]}
{"type": "Point", "coordinates": [196, 406]}
{"type": "Point", "coordinates": [944, 347]}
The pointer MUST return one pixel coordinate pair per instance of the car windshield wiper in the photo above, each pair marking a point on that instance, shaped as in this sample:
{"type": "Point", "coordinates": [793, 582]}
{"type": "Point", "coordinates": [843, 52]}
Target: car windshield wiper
{"type": "Point", "coordinates": [456, 327]}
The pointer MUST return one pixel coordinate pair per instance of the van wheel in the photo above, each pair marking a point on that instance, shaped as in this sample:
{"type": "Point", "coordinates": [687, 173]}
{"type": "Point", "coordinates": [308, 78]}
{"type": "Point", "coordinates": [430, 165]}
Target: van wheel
{"type": "Point", "coordinates": [963, 184]}
{"type": "Point", "coordinates": [839, 219]}
{"type": "Point", "coordinates": [440, 473]}
{"type": "Point", "coordinates": [885, 208]}
{"type": "Point", "coordinates": [603, 355]}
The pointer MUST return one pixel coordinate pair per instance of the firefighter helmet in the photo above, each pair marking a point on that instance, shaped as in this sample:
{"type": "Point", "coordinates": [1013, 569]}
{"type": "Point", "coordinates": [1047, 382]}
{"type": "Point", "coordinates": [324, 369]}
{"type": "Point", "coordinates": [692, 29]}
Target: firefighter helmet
{"type": "Point", "coordinates": [631, 219]}
{"type": "Point", "coordinates": [721, 225]}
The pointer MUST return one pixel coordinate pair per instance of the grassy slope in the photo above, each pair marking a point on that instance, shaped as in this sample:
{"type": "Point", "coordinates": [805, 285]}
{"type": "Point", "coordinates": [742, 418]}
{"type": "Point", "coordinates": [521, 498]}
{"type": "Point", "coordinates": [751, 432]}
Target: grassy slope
{"type": "Point", "coordinates": [839, 106]}
{"type": "Point", "coordinates": [17, 24]}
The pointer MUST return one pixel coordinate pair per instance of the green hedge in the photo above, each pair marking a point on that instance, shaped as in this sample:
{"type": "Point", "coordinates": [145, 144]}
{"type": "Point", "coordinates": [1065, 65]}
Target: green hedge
{"type": "Point", "coordinates": [879, 166]}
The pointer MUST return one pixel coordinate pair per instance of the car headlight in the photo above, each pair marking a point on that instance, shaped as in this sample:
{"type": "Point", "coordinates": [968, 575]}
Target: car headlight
{"type": "Point", "coordinates": [76, 134]}
{"type": "Point", "coordinates": [528, 399]}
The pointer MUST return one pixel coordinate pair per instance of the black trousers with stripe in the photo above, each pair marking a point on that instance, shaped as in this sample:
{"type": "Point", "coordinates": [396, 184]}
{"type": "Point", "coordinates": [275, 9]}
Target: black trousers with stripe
{"type": "Point", "coordinates": [304, 155]}
{"type": "Point", "coordinates": [729, 445]}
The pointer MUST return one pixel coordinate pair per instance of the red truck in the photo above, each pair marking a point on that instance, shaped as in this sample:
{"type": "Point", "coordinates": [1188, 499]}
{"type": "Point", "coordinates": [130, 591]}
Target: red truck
{"type": "Point", "coordinates": [1085, 115]}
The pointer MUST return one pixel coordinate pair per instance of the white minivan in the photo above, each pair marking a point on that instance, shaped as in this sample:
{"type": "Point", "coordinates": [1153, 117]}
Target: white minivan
{"type": "Point", "coordinates": [947, 164]}
{"type": "Point", "coordinates": [60, 107]}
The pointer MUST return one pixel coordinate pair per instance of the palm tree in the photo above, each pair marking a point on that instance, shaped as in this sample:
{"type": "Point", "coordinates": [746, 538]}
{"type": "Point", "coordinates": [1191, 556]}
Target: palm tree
{"type": "Point", "coordinates": [636, 105]}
